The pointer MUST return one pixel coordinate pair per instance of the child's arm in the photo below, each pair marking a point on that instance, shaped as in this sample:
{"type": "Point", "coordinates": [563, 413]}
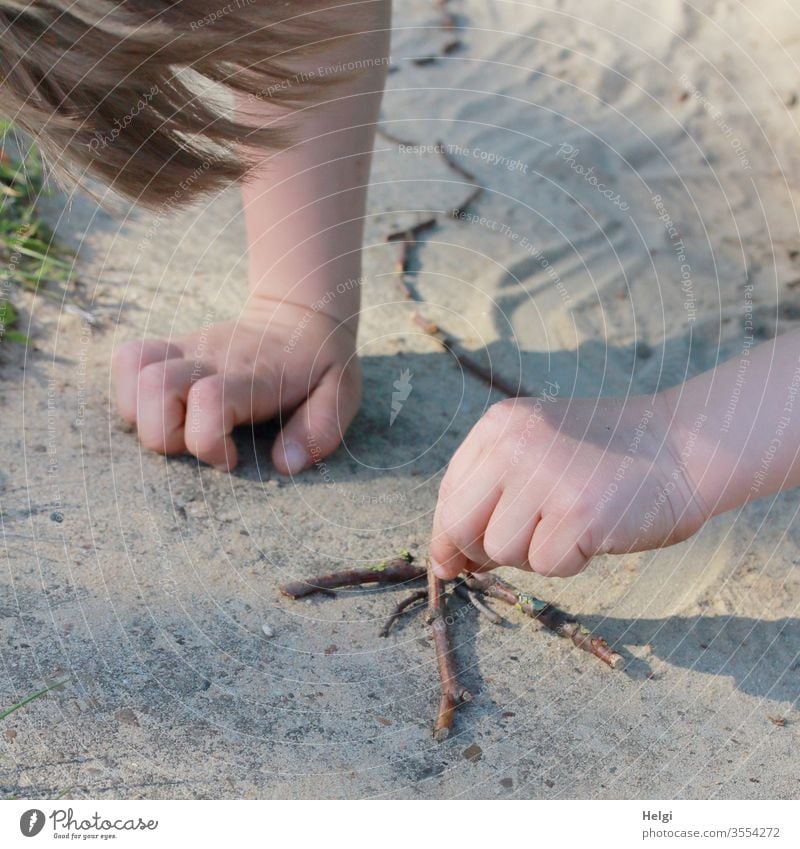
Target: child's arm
{"type": "Point", "coordinates": [545, 484]}
{"type": "Point", "coordinates": [292, 349]}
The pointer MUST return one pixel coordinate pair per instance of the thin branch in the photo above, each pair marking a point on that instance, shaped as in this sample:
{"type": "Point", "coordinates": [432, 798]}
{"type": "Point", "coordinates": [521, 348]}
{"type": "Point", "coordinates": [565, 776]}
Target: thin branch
{"type": "Point", "coordinates": [400, 608]}
{"type": "Point", "coordinates": [389, 136]}
{"type": "Point", "coordinates": [452, 692]}
{"type": "Point", "coordinates": [396, 571]}
{"type": "Point", "coordinates": [467, 362]}
{"type": "Point", "coordinates": [552, 617]}
{"type": "Point", "coordinates": [462, 590]}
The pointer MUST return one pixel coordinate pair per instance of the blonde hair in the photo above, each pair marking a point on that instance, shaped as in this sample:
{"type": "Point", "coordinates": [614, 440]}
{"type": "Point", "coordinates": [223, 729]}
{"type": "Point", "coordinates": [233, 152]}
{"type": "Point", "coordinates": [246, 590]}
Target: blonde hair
{"type": "Point", "coordinates": [109, 89]}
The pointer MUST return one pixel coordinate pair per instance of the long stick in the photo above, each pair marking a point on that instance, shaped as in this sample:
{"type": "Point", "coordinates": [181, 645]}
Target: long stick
{"type": "Point", "coordinates": [395, 571]}
{"type": "Point", "coordinates": [556, 620]}
{"type": "Point", "coordinates": [399, 608]}
{"type": "Point", "coordinates": [452, 692]}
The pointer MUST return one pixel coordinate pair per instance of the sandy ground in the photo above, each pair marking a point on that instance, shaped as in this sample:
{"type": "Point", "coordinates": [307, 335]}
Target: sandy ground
{"type": "Point", "coordinates": [147, 582]}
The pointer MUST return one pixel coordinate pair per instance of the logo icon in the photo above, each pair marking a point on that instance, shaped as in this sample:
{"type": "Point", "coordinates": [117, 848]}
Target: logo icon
{"type": "Point", "coordinates": [400, 395]}
{"type": "Point", "coordinates": [31, 822]}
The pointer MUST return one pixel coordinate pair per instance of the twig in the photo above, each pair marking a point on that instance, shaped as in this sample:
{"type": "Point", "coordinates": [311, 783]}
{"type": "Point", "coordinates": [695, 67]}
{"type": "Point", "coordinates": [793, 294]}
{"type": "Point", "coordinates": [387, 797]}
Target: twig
{"type": "Point", "coordinates": [460, 212]}
{"type": "Point", "coordinates": [467, 362]}
{"type": "Point", "coordinates": [382, 131]}
{"type": "Point", "coordinates": [549, 615]}
{"type": "Point", "coordinates": [448, 21]}
{"type": "Point", "coordinates": [394, 571]}
{"type": "Point", "coordinates": [462, 590]}
{"type": "Point", "coordinates": [410, 239]}
{"type": "Point", "coordinates": [400, 608]}
{"type": "Point", "coordinates": [453, 163]}
{"type": "Point", "coordinates": [452, 692]}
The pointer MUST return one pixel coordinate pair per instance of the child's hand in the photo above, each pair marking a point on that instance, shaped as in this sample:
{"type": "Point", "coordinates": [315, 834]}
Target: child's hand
{"type": "Point", "coordinates": [545, 485]}
{"type": "Point", "coordinates": [188, 393]}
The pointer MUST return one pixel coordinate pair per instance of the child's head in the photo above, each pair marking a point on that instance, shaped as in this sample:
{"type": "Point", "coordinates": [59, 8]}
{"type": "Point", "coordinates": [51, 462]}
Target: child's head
{"type": "Point", "coordinates": [103, 85]}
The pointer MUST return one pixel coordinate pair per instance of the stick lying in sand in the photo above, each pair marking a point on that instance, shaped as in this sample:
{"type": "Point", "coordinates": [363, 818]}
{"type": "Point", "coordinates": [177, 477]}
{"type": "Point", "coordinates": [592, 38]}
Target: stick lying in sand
{"type": "Point", "coordinates": [473, 587]}
{"type": "Point", "coordinates": [549, 615]}
{"type": "Point", "coordinates": [396, 571]}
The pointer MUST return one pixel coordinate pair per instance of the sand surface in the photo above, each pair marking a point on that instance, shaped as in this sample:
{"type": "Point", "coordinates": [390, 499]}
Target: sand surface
{"type": "Point", "coordinates": [147, 581]}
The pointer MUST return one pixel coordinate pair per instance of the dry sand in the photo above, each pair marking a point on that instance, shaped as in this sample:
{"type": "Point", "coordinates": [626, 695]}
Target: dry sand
{"type": "Point", "coordinates": [147, 581]}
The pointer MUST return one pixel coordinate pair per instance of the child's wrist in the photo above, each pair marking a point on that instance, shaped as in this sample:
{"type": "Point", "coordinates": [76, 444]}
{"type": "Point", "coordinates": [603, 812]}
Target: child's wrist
{"type": "Point", "coordinates": [263, 308]}
{"type": "Point", "coordinates": [691, 453]}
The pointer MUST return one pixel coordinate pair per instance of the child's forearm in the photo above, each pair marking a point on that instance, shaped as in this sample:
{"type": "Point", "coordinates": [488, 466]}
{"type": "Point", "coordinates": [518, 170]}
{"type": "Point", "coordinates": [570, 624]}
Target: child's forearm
{"type": "Point", "coordinates": [737, 427]}
{"type": "Point", "coordinates": [305, 210]}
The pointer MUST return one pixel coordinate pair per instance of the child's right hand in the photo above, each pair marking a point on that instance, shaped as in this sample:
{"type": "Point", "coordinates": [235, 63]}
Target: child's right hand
{"type": "Point", "coordinates": [189, 392]}
{"type": "Point", "coordinates": [546, 484]}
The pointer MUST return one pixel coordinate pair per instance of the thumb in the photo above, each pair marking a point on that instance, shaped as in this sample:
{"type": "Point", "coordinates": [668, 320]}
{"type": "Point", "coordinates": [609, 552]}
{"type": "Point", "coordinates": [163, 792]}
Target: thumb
{"type": "Point", "coordinates": [317, 426]}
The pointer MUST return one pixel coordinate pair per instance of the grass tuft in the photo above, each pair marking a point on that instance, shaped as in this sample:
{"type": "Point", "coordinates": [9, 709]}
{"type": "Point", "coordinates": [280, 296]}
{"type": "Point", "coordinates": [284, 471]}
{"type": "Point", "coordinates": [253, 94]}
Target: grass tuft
{"type": "Point", "coordinates": [29, 255]}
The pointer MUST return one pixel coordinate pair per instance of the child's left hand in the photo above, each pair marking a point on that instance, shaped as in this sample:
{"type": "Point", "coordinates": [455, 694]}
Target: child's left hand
{"type": "Point", "coordinates": [545, 484]}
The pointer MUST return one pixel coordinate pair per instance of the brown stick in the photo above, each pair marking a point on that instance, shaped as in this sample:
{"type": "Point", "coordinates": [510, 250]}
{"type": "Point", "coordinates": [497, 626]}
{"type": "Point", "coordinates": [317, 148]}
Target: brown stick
{"type": "Point", "coordinates": [410, 240]}
{"type": "Point", "coordinates": [452, 692]}
{"type": "Point", "coordinates": [466, 361]}
{"type": "Point", "coordinates": [389, 136]}
{"type": "Point", "coordinates": [549, 615]}
{"type": "Point", "coordinates": [395, 571]}
{"type": "Point", "coordinates": [448, 19]}
{"type": "Point", "coordinates": [400, 608]}
{"type": "Point", "coordinates": [464, 592]}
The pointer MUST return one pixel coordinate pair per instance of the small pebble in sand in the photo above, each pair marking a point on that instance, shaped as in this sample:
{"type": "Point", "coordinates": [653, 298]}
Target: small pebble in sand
{"type": "Point", "coordinates": [268, 632]}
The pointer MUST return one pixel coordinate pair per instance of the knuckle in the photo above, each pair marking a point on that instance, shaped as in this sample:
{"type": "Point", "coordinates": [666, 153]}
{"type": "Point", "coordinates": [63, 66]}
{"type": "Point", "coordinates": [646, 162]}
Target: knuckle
{"type": "Point", "coordinates": [154, 441]}
{"type": "Point", "coordinates": [126, 358]}
{"type": "Point", "coordinates": [499, 551]}
{"type": "Point", "coordinates": [152, 378]}
{"type": "Point", "coordinates": [499, 414]}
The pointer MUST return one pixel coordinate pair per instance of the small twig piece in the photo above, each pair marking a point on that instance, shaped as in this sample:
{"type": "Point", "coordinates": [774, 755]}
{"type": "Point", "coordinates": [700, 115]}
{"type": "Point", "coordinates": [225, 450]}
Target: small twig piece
{"type": "Point", "coordinates": [452, 692]}
{"type": "Point", "coordinates": [410, 240]}
{"type": "Point", "coordinates": [400, 608]}
{"type": "Point", "coordinates": [448, 19]}
{"type": "Point", "coordinates": [396, 571]}
{"type": "Point", "coordinates": [467, 362]}
{"type": "Point", "coordinates": [556, 620]}
{"type": "Point", "coordinates": [464, 592]}
{"type": "Point", "coordinates": [382, 131]}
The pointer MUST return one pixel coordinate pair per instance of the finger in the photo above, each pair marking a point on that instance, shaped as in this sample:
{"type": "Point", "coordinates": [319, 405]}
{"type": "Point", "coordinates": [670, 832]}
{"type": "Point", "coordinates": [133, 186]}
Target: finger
{"type": "Point", "coordinates": [507, 538]}
{"type": "Point", "coordinates": [128, 360]}
{"type": "Point", "coordinates": [216, 404]}
{"type": "Point", "coordinates": [559, 548]}
{"type": "Point", "coordinates": [447, 560]}
{"type": "Point", "coordinates": [462, 514]}
{"type": "Point", "coordinates": [161, 392]}
{"type": "Point", "coordinates": [317, 426]}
